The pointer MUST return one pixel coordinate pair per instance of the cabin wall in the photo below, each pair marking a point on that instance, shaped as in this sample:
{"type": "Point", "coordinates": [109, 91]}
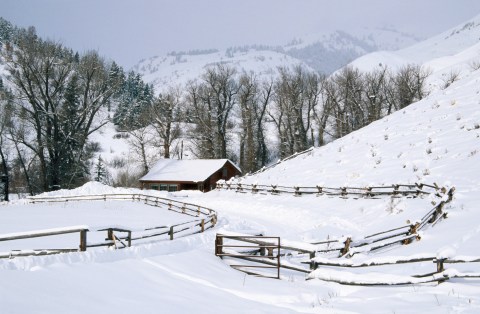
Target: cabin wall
{"type": "Point", "coordinates": [225, 173]}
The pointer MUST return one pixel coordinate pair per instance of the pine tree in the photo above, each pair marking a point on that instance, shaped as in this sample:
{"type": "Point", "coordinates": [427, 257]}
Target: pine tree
{"type": "Point", "coordinates": [100, 171]}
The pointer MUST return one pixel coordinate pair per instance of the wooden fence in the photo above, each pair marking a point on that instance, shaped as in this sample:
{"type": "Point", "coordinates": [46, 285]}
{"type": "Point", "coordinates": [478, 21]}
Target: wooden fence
{"type": "Point", "coordinates": [206, 218]}
{"type": "Point", "coordinates": [266, 247]}
{"type": "Point", "coordinates": [82, 230]}
{"type": "Point", "coordinates": [348, 247]}
{"type": "Point", "coordinates": [259, 252]}
{"type": "Point", "coordinates": [395, 190]}
{"type": "Point", "coordinates": [440, 274]}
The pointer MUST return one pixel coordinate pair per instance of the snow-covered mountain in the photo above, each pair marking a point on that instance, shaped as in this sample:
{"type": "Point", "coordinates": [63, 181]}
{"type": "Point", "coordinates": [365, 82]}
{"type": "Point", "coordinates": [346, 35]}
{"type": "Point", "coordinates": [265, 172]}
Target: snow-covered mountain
{"type": "Point", "coordinates": [327, 52]}
{"type": "Point", "coordinates": [448, 43]}
{"type": "Point", "coordinates": [179, 68]}
{"type": "Point", "coordinates": [322, 52]}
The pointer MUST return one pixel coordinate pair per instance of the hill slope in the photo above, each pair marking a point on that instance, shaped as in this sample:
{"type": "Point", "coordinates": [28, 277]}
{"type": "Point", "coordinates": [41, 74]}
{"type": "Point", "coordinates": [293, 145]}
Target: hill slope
{"type": "Point", "coordinates": [434, 140]}
{"type": "Point", "coordinates": [448, 43]}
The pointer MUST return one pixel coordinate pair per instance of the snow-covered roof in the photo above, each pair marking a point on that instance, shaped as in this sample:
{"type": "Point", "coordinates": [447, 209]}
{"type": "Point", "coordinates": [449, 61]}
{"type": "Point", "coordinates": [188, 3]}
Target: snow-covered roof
{"type": "Point", "coordinates": [195, 170]}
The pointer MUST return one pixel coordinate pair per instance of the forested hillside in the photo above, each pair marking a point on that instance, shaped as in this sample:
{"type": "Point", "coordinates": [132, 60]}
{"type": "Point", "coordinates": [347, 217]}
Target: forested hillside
{"type": "Point", "coordinates": [52, 100]}
{"type": "Point", "coordinates": [56, 101]}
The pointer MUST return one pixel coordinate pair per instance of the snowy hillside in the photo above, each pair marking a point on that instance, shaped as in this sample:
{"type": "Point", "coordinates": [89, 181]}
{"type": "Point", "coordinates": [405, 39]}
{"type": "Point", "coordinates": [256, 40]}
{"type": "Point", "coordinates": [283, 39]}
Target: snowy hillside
{"type": "Point", "coordinates": [323, 52]}
{"type": "Point", "coordinates": [436, 140]}
{"type": "Point", "coordinates": [448, 43]}
{"type": "Point", "coordinates": [327, 52]}
{"type": "Point", "coordinates": [178, 69]}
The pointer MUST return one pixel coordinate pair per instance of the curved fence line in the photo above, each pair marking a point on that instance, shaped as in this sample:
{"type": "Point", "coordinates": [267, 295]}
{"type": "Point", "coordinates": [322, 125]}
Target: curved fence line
{"type": "Point", "coordinates": [119, 237]}
{"type": "Point", "coordinates": [348, 247]}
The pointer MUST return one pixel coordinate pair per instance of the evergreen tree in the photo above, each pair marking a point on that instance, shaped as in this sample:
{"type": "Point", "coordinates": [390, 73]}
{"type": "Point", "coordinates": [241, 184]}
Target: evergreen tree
{"type": "Point", "coordinates": [134, 97]}
{"type": "Point", "coordinates": [100, 171]}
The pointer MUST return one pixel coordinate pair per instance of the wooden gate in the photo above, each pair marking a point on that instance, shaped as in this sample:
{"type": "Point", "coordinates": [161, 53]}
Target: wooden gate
{"type": "Point", "coordinates": [253, 249]}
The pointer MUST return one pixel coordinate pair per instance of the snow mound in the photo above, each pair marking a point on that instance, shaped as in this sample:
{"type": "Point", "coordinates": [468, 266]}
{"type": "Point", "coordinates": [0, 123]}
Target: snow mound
{"type": "Point", "coordinates": [89, 188]}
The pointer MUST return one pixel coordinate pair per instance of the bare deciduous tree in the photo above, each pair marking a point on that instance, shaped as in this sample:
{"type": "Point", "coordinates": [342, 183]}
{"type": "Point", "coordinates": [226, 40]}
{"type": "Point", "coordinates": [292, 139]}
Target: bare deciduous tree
{"type": "Point", "coordinates": [166, 114]}
{"type": "Point", "coordinates": [59, 96]}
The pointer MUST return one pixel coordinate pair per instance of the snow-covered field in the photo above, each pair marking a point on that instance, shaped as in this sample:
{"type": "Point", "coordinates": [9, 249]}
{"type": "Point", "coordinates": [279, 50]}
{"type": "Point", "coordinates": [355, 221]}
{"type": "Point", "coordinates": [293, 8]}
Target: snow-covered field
{"type": "Point", "coordinates": [436, 140]}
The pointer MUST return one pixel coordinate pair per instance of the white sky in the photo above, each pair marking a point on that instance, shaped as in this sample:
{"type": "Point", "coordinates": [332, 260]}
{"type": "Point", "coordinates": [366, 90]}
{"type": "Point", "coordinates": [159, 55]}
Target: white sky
{"type": "Point", "coordinates": [129, 30]}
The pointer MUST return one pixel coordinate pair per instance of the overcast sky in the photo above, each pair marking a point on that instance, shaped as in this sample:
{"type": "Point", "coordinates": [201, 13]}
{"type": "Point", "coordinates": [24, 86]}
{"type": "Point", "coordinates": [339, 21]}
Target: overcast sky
{"type": "Point", "coordinates": [129, 30]}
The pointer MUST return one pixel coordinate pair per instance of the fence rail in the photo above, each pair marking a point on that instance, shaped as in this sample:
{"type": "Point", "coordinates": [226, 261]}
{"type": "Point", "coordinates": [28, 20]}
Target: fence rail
{"type": "Point", "coordinates": [270, 253]}
{"type": "Point", "coordinates": [265, 247]}
{"type": "Point", "coordinates": [395, 190]}
{"type": "Point", "coordinates": [119, 237]}
{"type": "Point", "coordinates": [441, 274]}
{"type": "Point", "coordinates": [348, 247]}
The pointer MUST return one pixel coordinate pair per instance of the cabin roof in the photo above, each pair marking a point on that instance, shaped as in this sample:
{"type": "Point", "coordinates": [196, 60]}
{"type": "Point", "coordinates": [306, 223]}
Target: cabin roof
{"type": "Point", "coordinates": [195, 170]}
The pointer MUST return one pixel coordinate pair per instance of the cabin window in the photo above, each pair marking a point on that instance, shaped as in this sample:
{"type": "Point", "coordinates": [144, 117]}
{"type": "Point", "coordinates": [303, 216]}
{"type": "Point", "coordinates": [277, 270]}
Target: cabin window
{"type": "Point", "coordinates": [172, 188]}
{"type": "Point", "coordinates": [224, 173]}
{"type": "Point", "coordinates": [154, 186]}
{"type": "Point", "coordinates": [163, 187]}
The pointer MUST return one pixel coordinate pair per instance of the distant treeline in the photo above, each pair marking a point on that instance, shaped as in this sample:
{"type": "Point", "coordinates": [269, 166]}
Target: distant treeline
{"type": "Point", "coordinates": [53, 99]}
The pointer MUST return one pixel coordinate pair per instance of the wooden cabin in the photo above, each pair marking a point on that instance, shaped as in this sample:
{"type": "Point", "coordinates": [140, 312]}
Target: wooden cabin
{"type": "Point", "coordinates": [197, 174]}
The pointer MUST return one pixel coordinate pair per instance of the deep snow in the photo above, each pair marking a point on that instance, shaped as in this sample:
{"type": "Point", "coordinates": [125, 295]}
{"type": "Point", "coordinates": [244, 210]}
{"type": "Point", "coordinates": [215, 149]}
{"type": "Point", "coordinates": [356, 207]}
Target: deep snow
{"type": "Point", "coordinates": [434, 140]}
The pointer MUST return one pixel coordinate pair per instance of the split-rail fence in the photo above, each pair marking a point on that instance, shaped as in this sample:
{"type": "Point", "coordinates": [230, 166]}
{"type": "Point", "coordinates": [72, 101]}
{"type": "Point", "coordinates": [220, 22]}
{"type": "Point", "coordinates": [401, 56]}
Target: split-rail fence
{"type": "Point", "coordinates": [204, 218]}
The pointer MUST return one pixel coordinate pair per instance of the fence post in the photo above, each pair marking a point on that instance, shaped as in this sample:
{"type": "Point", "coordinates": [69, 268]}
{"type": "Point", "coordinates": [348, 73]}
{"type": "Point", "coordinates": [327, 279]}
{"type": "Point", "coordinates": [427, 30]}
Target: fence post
{"type": "Point", "coordinates": [312, 262]}
{"type": "Point", "coordinates": [111, 237]}
{"type": "Point", "coordinates": [346, 248]}
{"type": "Point", "coordinates": [218, 245]}
{"type": "Point", "coordinates": [320, 190]}
{"type": "Point", "coordinates": [274, 189]}
{"type": "Point", "coordinates": [440, 267]}
{"type": "Point", "coordinates": [438, 211]}
{"type": "Point", "coordinates": [202, 225]}
{"type": "Point", "coordinates": [83, 240]}
{"type": "Point", "coordinates": [278, 259]}
{"type": "Point", "coordinates": [110, 234]}
{"type": "Point", "coordinates": [369, 192]}
{"type": "Point", "coordinates": [413, 230]}
{"type": "Point", "coordinates": [297, 191]}
{"type": "Point", "coordinates": [171, 233]}
{"type": "Point", "coordinates": [129, 238]}
{"type": "Point", "coordinates": [450, 194]}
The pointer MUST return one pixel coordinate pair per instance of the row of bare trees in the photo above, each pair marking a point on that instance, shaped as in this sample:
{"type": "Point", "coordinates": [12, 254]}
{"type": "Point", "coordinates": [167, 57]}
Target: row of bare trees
{"type": "Point", "coordinates": [53, 99]}
{"type": "Point", "coordinates": [226, 114]}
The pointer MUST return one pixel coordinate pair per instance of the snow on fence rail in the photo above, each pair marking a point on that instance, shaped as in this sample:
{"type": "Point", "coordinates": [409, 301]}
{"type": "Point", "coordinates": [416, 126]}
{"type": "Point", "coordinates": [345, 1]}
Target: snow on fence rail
{"type": "Point", "coordinates": [326, 270]}
{"type": "Point", "coordinates": [348, 247]}
{"type": "Point", "coordinates": [82, 230]}
{"type": "Point", "coordinates": [412, 190]}
{"type": "Point", "coordinates": [119, 237]}
{"type": "Point", "coordinates": [259, 252]}
{"type": "Point", "coordinates": [264, 245]}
